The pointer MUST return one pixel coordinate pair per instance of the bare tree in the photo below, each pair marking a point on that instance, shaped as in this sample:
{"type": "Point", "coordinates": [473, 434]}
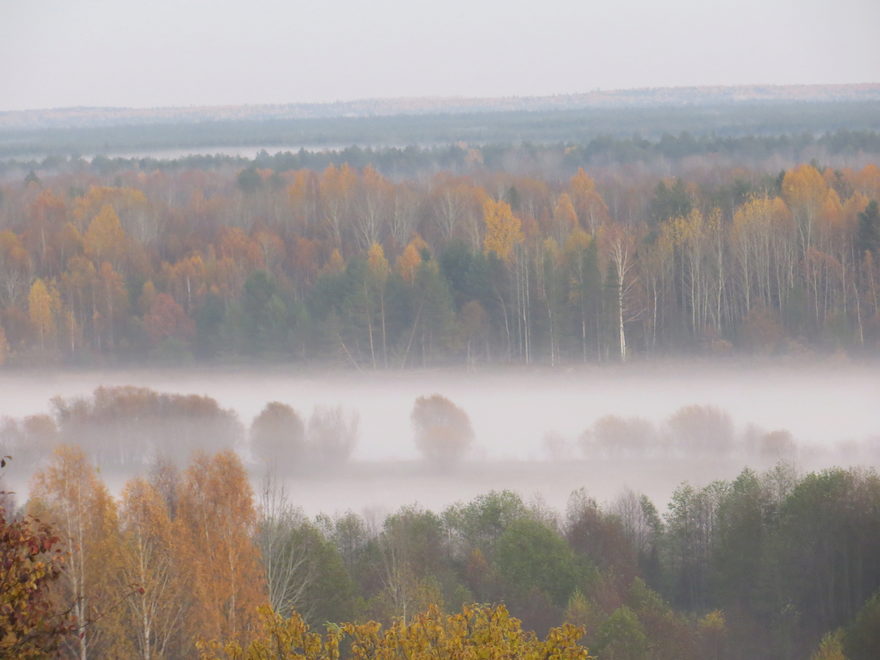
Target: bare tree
{"type": "Point", "coordinates": [289, 571]}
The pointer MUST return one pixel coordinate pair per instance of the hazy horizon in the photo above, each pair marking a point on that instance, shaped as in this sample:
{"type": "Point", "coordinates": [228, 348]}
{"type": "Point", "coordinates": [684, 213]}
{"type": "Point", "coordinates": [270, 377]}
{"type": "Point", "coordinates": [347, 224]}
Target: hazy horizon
{"type": "Point", "coordinates": [126, 54]}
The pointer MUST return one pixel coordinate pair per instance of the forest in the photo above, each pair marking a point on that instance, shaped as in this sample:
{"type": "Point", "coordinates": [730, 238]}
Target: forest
{"type": "Point", "coordinates": [191, 560]}
{"type": "Point", "coordinates": [87, 132]}
{"type": "Point", "coordinates": [115, 262]}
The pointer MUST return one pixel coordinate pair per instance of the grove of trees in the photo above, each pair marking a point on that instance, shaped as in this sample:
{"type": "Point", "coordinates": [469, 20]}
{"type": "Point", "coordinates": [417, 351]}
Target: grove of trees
{"type": "Point", "coordinates": [769, 565]}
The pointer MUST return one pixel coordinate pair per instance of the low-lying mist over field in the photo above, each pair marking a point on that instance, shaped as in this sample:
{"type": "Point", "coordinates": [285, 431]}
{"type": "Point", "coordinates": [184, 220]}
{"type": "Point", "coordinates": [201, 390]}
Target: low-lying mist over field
{"type": "Point", "coordinates": [541, 433]}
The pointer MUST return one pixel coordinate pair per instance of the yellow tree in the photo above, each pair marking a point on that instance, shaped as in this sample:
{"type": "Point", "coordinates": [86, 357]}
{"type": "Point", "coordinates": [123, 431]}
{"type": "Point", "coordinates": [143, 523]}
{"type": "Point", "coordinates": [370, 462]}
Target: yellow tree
{"type": "Point", "coordinates": [410, 259]}
{"type": "Point", "coordinates": [149, 559]}
{"type": "Point", "coordinates": [43, 304]}
{"type": "Point", "coordinates": [564, 218]}
{"type": "Point", "coordinates": [70, 497]}
{"type": "Point", "coordinates": [337, 187]}
{"type": "Point", "coordinates": [503, 230]}
{"type": "Point", "coordinates": [803, 189]}
{"type": "Point", "coordinates": [218, 521]}
{"type": "Point", "coordinates": [588, 203]}
{"type": "Point", "coordinates": [478, 631]}
{"type": "Point", "coordinates": [105, 239]}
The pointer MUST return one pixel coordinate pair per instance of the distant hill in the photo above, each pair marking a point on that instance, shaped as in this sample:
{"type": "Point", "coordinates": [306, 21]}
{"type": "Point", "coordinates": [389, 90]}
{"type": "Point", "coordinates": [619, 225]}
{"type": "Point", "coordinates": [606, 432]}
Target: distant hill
{"type": "Point", "coordinates": [633, 98]}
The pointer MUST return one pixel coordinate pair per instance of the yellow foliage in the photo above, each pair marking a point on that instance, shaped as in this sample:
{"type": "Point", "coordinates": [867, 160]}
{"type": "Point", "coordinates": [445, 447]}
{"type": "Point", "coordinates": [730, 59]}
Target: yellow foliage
{"type": "Point", "coordinates": [577, 241]}
{"type": "Point", "coordinates": [830, 648]}
{"type": "Point", "coordinates": [379, 268]}
{"type": "Point", "coordinates": [105, 238]}
{"type": "Point", "coordinates": [804, 188]}
{"type": "Point", "coordinates": [43, 305]}
{"type": "Point", "coordinates": [503, 229]}
{"type": "Point", "coordinates": [97, 197]}
{"type": "Point", "coordinates": [408, 262]}
{"type": "Point", "coordinates": [335, 264]}
{"type": "Point", "coordinates": [564, 213]}
{"type": "Point", "coordinates": [477, 632]}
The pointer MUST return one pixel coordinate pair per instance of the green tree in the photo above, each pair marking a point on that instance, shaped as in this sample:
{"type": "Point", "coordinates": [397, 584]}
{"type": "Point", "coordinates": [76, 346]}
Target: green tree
{"type": "Point", "coordinates": [531, 556]}
{"type": "Point", "coordinates": [868, 236]}
{"type": "Point", "coordinates": [862, 637]}
{"type": "Point", "coordinates": [670, 202]}
{"type": "Point", "coordinates": [622, 637]}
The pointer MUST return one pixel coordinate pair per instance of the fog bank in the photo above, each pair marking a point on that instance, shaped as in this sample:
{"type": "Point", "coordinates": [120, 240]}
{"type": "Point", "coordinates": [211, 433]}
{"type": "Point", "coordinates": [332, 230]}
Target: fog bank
{"type": "Point", "coordinates": [528, 424]}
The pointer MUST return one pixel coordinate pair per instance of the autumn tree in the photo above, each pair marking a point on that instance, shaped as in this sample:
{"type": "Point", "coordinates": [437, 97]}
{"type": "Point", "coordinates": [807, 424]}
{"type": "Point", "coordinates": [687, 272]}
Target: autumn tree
{"type": "Point", "coordinates": [503, 229]}
{"type": "Point", "coordinates": [476, 631]}
{"type": "Point", "coordinates": [590, 209]}
{"type": "Point", "coordinates": [151, 545]}
{"type": "Point", "coordinates": [218, 520]}
{"type": "Point", "coordinates": [69, 496]}
{"type": "Point", "coordinates": [167, 320]}
{"type": "Point", "coordinates": [105, 239]}
{"type": "Point", "coordinates": [32, 625]}
{"type": "Point", "coordinates": [43, 307]}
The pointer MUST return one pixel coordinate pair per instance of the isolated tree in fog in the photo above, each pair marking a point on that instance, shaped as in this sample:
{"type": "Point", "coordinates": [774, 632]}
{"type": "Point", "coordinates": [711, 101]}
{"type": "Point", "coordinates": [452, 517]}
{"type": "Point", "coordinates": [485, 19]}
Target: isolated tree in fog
{"type": "Point", "coordinates": [613, 435]}
{"type": "Point", "coordinates": [702, 429]}
{"type": "Point", "coordinates": [443, 430]}
{"type": "Point", "coordinates": [278, 436]}
{"type": "Point", "coordinates": [332, 434]}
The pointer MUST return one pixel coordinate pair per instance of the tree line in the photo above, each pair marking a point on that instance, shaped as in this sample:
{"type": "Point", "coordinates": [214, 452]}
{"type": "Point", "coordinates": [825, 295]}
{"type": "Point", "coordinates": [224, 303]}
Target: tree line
{"type": "Point", "coordinates": [348, 266]}
{"type": "Point", "coordinates": [771, 565]}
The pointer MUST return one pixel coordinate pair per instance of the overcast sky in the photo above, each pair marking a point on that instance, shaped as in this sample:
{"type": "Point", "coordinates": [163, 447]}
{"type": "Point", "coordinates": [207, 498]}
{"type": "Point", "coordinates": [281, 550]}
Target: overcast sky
{"type": "Point", "coordinates": [147, 53]}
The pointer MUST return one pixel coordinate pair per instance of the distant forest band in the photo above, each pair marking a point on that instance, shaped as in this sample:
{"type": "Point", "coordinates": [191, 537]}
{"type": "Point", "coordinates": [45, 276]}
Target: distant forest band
{"type": "Point", "coordinates": [347, 266]}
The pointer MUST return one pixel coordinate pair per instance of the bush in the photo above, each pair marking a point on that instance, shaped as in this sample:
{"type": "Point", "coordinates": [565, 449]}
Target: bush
{"type": "Point", "coordinates": [278, 436]}
{"type": "Point", "coordinates": [443, 430]}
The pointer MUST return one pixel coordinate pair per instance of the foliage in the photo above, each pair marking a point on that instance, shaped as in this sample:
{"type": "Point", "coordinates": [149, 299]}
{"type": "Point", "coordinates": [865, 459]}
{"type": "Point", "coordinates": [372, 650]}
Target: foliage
{"type": "Point", "coordinates": [31, 623]}
{"type": "Point", "coordinates": [478, 631]}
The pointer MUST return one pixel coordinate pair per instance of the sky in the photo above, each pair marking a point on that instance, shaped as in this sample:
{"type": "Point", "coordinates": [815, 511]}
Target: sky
{"type": "Point", "coordinates": [139, 53]}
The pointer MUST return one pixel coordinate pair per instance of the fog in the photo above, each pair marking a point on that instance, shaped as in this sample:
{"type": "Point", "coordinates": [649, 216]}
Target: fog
{"type": "Point", "coordinates": [535, 431]}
